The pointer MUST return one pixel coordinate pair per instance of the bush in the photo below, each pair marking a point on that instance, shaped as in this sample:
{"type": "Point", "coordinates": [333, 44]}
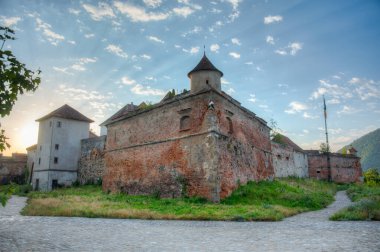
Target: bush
{"type": "Point", "coordinates": [372, 177]}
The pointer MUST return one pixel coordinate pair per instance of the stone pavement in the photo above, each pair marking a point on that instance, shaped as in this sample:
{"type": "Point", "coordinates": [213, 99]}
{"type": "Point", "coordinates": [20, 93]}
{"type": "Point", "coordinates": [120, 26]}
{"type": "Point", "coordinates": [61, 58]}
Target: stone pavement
{"type": "Point", "coordinates": [305, 232]}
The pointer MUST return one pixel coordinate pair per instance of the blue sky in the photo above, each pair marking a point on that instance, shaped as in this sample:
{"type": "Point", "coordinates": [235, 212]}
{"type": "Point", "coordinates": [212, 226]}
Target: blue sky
{"type": "Point", "coordinates": [278, 59]}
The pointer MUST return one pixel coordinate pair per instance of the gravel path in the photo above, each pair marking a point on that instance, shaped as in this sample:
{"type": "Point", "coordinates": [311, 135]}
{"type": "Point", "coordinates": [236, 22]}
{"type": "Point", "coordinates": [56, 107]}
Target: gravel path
{"type": "Point", "coordinates": [305, 232]}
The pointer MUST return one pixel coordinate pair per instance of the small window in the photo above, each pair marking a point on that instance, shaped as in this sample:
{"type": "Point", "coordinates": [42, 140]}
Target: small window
{"type": "Point", "coordinates": [57, 146]}
{"type": "Point", "coordinates": [37, 185]}
{"type": "Point", "coordinates": [184, 123]}
{"type": "Point", "coordinates": [318, 171]}
{"type": "Point", "coordinates": [278, 156]}
{"type": "Point", "coordinates": [54, 184]}
{"type": "Point", "coordinates": [50, 123]}
{"type": "Point", "coordinates": [40, 147]}
{"type": "Point", "coordinates": [206, 81]}
{"type": "Point", "coordinates": [59, 124]}
{"type": "Point", "coordinates": [287, 158]}
{"type": "Point", "coordinates": [55, 160]}
{"type": "Point", "coordinates": [230, 126]}
{"type": "Point", "coordinates": [39, 160]}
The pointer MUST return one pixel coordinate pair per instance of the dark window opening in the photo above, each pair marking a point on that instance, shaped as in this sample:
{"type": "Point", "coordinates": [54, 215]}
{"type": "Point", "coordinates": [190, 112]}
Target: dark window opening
{"type": "Point", "coordinates": [230, 126]}
{"type": "Point", "coordinates": [57, 146]}
{"type": "Point", "coordinates": [50, 123]}
{"type": "Point", "coordinates": [318, 171]}
{"type": "Point", "coordinates": [59, 124]}
{"type": "Point", "coordinates": [39, 160]}
{"type": "Point", "coordinates": [287, 158]}
{"type": "Point", "coordinates": [55, 160]}
{"type": "Point", "coordinates": [206, 81]}
{"type": "Point", "coordinates": [37, 185]}
{"type": "Point", "coordinates": [279, 156]}
{"type": "Point", "coordinates": [40, 147]}
{"type": "Point", "coordinates": [54, 184]}
{"type": "Point", "coordinates": [184, 123]}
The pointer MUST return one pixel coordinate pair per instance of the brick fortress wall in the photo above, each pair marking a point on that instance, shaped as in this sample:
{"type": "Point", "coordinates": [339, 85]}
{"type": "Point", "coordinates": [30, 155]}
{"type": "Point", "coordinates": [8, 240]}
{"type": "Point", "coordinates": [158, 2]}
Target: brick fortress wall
{"type": "Point", "coordinates": [214, 150]}
{"type": "Point", "coordinates": [344, 168]}
{"type": "Point", "coordinates": [91, 164]}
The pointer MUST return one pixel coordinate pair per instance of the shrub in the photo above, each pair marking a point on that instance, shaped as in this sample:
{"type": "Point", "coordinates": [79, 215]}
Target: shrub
{"type": "Point", "coordinates": [372, 177]}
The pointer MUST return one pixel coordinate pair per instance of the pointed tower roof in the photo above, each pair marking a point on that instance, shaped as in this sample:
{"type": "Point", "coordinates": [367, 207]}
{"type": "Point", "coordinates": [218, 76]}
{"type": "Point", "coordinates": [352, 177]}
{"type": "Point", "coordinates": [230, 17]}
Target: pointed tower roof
{"type": "Point", "coordinates": [66, 112]}
{"type": "Point", "coordinates": [204, 65]}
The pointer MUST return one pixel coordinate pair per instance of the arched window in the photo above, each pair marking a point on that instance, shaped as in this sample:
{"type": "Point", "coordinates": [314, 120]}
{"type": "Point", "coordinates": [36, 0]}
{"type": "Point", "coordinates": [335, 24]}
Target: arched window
{"type": "Point", "coordinates": [230, 126]}
{"type": "Point", "coordinates": [184, 123]}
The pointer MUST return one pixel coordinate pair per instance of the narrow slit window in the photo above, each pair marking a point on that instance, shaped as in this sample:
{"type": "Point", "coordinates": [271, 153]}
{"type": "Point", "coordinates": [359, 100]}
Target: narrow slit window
{"type": "Point", "coordinates": [59, 124]}
{"type": "Point", "coordinates": [55, 160]}
{"type": "Point", "coordinates": [230, 126]}
{"type": "Point", "coordinates": [57, 146]}
{"type": "Point", "coordinates": [184, 123]}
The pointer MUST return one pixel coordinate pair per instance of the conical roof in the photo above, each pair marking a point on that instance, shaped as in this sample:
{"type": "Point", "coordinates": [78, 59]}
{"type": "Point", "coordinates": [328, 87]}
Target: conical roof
{"type": "Point", "coordinates": [204, 65]}
{"type": "Point", "coordinates": [66, 112]}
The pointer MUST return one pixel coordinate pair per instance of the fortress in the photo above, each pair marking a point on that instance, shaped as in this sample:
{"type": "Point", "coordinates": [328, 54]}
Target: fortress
{"type": "Point", "coordinates": [200, 142]}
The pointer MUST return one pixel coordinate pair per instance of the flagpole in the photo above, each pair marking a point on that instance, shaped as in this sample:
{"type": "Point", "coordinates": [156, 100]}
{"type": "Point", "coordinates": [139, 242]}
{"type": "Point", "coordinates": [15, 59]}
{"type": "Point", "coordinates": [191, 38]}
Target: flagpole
{"type": "Point", "coordinates": [327, 140]}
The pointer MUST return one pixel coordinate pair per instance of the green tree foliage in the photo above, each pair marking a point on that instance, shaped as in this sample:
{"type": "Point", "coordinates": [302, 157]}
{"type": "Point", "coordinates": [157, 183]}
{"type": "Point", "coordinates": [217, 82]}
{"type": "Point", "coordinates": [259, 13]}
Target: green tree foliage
{"type": "Point", "coordinates": [372, 177]}
{"type": "Point", "coordinates": [324, 148]}
{"type": "Point", "coordinates": [15, 79]}
{"type": "Point", "coordinates": [274, 133]}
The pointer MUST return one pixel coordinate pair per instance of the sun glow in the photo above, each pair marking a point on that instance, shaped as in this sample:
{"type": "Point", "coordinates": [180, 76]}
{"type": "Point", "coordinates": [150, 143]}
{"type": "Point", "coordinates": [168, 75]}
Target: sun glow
{"type": "Point", "coordinates": [24, 137]}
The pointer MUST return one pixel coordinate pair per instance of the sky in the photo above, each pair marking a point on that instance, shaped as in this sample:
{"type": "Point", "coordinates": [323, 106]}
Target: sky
{"type": "Point", "coordinates": [278, 58]}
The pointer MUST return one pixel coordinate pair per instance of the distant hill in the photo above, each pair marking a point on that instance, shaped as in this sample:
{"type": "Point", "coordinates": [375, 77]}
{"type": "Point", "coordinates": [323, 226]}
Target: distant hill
{"type": "Point", "coordinates": [368, 147]}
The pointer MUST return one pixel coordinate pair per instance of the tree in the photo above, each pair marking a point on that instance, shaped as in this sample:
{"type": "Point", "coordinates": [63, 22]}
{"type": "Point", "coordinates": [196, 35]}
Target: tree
{"type": "Point", "coordinates": [15, 79]}
{"type": "Point", "coordinates": [274, 133]}
{"type": "Point", "coordinates": [324, 148]}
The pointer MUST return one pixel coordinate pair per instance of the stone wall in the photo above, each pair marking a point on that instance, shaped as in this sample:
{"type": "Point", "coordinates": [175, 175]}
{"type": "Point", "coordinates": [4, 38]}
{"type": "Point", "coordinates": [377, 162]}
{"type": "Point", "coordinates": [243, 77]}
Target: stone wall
{"type": "Point", "coordinates": [91, 164]}
{"type": "Point", "coordinates": [184, 146]}
{"type": "Point", "coordinates": [289, 162]}
{"type": "Point", "coordinates": [12, 169]}
{"type": "Point", "coordinates": [344, 168]}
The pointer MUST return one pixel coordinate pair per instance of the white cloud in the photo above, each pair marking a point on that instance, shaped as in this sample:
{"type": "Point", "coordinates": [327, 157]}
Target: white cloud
{"type": "Point", "coordinates": [141, 90]}
{"type": "Point", "coordinates": [9, 21]}
{"type": "Point", "coordinates": [155, 39]}
{"type": "Point", "coordinates": [295, 47]}
{"type": "Point", "coordinates": [270, 40]}
{"type": "Point", "coordinates": [153, 3]}
{"type": "Point", "coordinates": [333, 90]}
{"type": "Point", "coordinates": [78, 67]}
{"type": "Point", "coordinates": [347, 110]}
{"type": "Point", "coordinates": [138, 14]}
{"type": "Point", "coordinates": [116, 50]}
{"type": "Point", "coordinates": [234, 55]}
{"type": "Point", "coordinates": [192, 50]}
{"type": "Point", "coordinates": [249, 63]}
{"type": "Point", "coordinates": [195, 30]}
{"type": "Point", "coordinates": [308, 116]}
{"type": "Point", "coordinates": [62, 70]}
{"type": "Point", "coordinates": [90, 35]}
{"type": "Point", "coordinates": [71, 42]}
{"type": "Point", "coordinates": [74, 11]}
{"type": "Point", "coordinates": [224, 81]}
{"type": "Point", "coordinates": [252, 98]}
{"type": "Point", "coordinates": [366, 89]}
{"type": "Point", "coordinates": [214, 48]}
{"type": "Point", "coordinates": [145, 56]}
{"type": "Point", "coordinates": [98, 13]}
{"type": "Point", "coordinates": [305, 131]}
{"type": "Point", "coordinates": [127, 81]}
{"type": "Point", "coordinates": [235, 12]}
{"type": "Point", "coordinates": [295, 107]}
{"type": "Point", "coordinates": [272, 19]}
{"type": "Point", "coordinates": [230, 91]}
{"type": "Point", "coordinates": [188, 3]}
{"type": "Point", "coordinates": [235, 41]}
{"type": "Point", "coordinates": [354, 80]}
{"type": "Point", "coordinates": [51, 36]}
{"type": "Point", "coordinates": [183, 11]}
{"type": "Point", "coordinates": [291, 49]}
{"type": "Point", "coordinates": [281, 52]}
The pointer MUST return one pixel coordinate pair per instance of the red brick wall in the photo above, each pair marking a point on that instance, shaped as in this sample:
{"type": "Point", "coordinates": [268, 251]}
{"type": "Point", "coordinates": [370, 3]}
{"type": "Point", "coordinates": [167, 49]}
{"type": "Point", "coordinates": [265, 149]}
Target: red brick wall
{"type": "Point", "coordinates": [12, 168]}
{"type": "Point", "coordinates": [148, 153]}
{"type": "Point", "coordinates": [344, 169]}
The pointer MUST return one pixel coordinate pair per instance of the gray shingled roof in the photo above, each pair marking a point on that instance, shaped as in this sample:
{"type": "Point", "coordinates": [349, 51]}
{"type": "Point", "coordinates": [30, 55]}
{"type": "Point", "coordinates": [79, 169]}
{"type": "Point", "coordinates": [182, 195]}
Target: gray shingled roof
{"type": "Point", "coordinates": [66, 112]}
{"type": "Point", "coordinates": [204, 65]}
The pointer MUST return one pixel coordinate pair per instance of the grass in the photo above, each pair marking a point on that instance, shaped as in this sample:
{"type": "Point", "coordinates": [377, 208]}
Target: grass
{"type": "Point", "coordinates": [366, 206]}
{"type": "Point", "coordinates": [262, 201]}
